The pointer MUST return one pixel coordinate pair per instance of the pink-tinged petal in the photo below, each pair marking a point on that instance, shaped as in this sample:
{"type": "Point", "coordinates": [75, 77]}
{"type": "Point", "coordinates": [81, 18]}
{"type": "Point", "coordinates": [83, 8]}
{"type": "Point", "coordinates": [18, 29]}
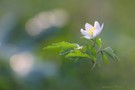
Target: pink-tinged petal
{"type": "Point", "coordinates": [84, 32]}
{"type": "Point", "coordinates": [98, 31]}
{"type": "Point", "coordinates": [88, 37]}
{"type": "Point", "coordinates": [97, 25]}
{"type": "Point", "coordinates": [88, 26]}
{"type": "Point", "coordinates": [102, 26]}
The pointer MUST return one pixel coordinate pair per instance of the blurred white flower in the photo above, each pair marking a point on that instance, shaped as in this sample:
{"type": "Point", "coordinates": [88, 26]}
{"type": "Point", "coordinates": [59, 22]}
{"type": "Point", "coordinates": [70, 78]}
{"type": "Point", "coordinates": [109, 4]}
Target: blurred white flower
{"type": "Point", "coordinates": [78, 46]}
{"type": "Point", "coordinates": [90, 31]}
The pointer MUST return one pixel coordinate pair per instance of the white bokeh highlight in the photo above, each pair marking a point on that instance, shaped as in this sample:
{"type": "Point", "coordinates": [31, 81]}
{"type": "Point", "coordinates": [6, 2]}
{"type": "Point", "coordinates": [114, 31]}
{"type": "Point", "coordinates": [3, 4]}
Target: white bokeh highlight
{"type": "Point", "coordinates": [22, 63]}
{"type": "Point", "coordinates": [46, 19]}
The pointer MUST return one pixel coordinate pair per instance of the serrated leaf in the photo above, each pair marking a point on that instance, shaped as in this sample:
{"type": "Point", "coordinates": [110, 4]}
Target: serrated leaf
{"type": "Point", "coordinates": [110, 53]}
{"type": "Point", "coordinates": [77, 54]}
{"type": "Point", "coordinates": [64, 52]}
{"type": "Point", "coordinates": [99, 42]}
{"type": "Point", "coordinates": [104, 57]}
{"type": "Point", "coordinates": [63, 45]}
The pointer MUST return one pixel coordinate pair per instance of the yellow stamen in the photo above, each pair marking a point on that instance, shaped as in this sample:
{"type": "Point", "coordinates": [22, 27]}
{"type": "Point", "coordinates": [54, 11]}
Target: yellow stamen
{"type": "Point", "coordinates": [91, 31]}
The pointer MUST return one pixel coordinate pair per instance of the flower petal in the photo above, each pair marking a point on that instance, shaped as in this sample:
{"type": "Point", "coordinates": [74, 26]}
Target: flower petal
{"type": "Point", "coordinates": [88, 37]}
{"type": "Point", "coordinates": [97, 25]}
{"type": "Point", "coordinates": [98, 31]}
{"type": "Point", "coordinates": [84, 32]}
{"type": "Point", "coordinates": [102, 26]}
{"type": "Point", "coordinates": [88, 26]}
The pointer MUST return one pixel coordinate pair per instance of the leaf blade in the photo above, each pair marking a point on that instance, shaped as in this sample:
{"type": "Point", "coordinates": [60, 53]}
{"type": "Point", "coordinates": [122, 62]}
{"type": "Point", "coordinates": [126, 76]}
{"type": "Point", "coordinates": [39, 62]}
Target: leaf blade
{"type": "Point", "coordinates": [110, 53]}
{"type": "Point", "coordinates": [77, 54]}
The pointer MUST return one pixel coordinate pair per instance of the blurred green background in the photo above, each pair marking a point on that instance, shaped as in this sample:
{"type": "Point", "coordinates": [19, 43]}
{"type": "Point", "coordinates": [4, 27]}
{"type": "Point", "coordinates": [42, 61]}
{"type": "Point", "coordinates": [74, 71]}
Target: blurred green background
{"type": "Point", "coordinates": [26, 26]}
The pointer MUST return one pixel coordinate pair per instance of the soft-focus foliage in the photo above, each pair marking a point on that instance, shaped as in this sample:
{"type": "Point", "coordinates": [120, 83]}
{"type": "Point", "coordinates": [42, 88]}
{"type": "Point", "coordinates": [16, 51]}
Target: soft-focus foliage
{"type": "Point", "coordinates": [90, 50]}
{"type": "Point", "coordinates": [26, 26]}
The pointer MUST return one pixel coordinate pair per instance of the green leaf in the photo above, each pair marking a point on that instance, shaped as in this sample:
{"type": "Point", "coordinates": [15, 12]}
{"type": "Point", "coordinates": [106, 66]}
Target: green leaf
{"type": "Point", "coordinates": [64, 52]}
{"type": "Point", "coordinates": [99, 42]}
{"type": "Point", "coordinates": [77, 54]}
{"type": "Point", "coordinates": [104, 57]}
{"type": "Point", "coordinates": [110, 53]}
{"type": "Point", "coordinates": [63, 45]}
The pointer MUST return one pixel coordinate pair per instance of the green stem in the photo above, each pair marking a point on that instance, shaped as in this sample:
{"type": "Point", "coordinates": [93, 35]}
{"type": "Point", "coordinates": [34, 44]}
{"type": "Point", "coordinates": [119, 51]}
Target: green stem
{"type": "Point", "coordinates": [94, 42]}
{"type": "Point", "coordinates": [94, 64]}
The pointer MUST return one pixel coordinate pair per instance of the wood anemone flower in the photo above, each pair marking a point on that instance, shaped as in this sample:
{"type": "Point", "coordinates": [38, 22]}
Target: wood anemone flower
{"type": "Point", "coordinates": [90, 31]}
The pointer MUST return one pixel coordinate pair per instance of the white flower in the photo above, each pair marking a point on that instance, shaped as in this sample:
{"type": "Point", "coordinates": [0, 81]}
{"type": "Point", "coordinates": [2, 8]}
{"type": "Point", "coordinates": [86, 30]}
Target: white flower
{"type": "Point", "coordinates": [78, 46]}
{"type": "Point", "coordinates": [92, 31]}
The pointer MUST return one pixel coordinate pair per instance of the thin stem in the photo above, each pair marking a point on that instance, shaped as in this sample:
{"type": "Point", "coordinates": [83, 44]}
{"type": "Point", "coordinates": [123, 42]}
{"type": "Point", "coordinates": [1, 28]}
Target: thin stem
{"type": "Point", "coordinates": [94, 42]}
{"type": "Point", "coordinates": [94, 64]}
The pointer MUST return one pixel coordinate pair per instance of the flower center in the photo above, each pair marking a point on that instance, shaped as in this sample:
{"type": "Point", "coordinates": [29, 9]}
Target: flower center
{"type": "Point", "coordinates": [91, 31]}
